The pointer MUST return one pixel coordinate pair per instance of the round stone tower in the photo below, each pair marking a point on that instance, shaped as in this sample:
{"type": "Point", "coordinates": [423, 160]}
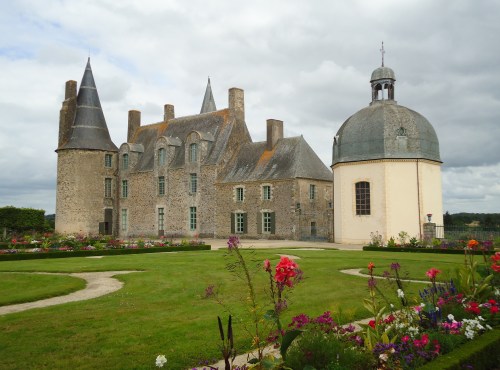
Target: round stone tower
{"type": "Point", "coordinates": [86, 163]}
{"type": "Point", "coordinates": [386, 168]}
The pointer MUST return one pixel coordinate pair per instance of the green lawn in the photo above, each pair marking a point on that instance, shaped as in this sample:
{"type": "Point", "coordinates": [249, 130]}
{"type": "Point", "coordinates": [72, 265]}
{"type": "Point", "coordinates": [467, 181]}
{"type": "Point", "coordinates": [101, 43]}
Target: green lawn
{"type": "Point", "coordinates": [162, 310]}
{"type": "Point", "coordinates": [20, 288]}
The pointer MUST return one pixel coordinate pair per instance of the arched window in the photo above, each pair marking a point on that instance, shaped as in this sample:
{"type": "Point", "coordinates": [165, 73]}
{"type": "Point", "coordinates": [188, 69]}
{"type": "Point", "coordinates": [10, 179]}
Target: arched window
{"type": "Point", "coordinates": [363, 198]}
{"type": "Point", "coordinates": [193, 152]}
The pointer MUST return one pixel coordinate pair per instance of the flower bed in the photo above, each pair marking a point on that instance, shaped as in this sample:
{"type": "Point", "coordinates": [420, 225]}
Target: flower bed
{"type": "Point", "coordinates": [404, 332]}
{"type": "Point", "coordinates": [420, 250]}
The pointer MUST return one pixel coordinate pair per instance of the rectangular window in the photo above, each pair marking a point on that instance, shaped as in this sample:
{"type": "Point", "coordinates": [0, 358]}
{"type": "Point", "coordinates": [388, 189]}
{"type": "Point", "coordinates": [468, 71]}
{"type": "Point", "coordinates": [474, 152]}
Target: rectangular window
{"type": "Point", "coordinates": [193, 152]}
{"type": "Point", "coordinates": [107, 187]}
{"type": "Point", "coordinates": [161, 185]}
{"type": "Point", "coordinates": [108, 160]}
{"type": "Point", "coordinates": [266, 222]}
{"type": "Point", "coordinates": [124, 219]}
{"type": "Point", "coordinates": [192, 218]}
{"type": "Point", "coordinates": [266, 192]}
{"type": "Point", "coordinates": [193, 183]}
{"type": "Point", "coordinates": [161, 156]}
{"type": "Point", "coordinates": [161, 219]}
{"type": "Point", "coordinates": [125, 161]}
{"type": "Point", "coordinates": [239, 220]}
{"type": "Point", "coordinates": [362, 198]}
{"type": "Point", "coordinates": [312, 191]}
{"type": "Point", "coordinates": [124, 188]}
{"type": "Point", "coordinates": [240, 194]}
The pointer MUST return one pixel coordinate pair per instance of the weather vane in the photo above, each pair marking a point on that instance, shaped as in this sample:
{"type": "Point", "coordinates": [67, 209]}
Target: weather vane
{"type": "Point", "coordinates": [382, 51]}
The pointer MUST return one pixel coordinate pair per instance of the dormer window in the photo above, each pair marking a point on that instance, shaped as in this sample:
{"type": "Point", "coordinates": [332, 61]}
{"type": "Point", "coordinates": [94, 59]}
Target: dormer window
{"type": "Point", "coordinates": [161, 157]}
{"type": "Point", "coordinates": [125, 161]}
{"type": "Point", "coordinates": [193, 152]}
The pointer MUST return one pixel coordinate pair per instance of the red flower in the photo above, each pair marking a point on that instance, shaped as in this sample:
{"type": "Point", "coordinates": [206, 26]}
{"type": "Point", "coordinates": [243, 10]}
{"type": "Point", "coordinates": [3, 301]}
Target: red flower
{"type": "Point", "coordinates": [371, 265]}
{"type": "Point", "coordinates": [493, 310]}
{"type": "Point", "coordinates": [472, 244]}
{"type": "Point", "coordinates": [389, 319]}
{"type": "Point", "coordinates": [405, 339]}
{"type": "Point", "coordinates": [495, 267]}
{"type": "Point", "coordinates": [473, 307]}
{"type": "Point", "coordinates": [286, 269]}
{"type": "Point", "coordinates": [372, 323]}
{"type": "Point", "coordinates": [432, 273]}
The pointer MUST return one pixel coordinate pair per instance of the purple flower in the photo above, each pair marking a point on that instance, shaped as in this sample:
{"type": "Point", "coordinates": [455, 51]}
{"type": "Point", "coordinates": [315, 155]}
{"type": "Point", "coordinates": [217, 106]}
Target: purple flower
{"type": "Point", "coordinates": [395, 266]}
{"type": "Point", "coordinates": [233, 242]}
{"type": "Point", "coordinates": [371, 283]}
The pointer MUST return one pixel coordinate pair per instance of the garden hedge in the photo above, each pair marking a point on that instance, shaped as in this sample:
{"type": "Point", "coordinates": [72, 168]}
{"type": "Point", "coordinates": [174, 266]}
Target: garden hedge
{"type": "Point", "coordinates": [481, 353]}
{"type": "Point", "coordinates": [103, 252]}
{"type": "Point", "coordinates": [22, 219]}
{"type": "Point", "coordinates": [418, 250]}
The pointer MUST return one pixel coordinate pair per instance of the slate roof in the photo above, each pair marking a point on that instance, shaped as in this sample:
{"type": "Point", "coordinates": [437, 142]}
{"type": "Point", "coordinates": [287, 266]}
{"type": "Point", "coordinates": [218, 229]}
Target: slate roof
{"type": "Point", "coordinates": [89, 130]}
{"type": "Point", "coordinates": [290, 158]}
{"type": "Point", "coordinates": [208, 104]}
{"type": "Point", "coordinates": [213, 127]}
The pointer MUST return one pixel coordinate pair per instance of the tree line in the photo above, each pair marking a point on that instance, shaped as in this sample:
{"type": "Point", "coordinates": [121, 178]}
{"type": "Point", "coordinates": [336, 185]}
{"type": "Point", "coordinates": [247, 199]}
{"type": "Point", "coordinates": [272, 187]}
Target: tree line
{"type": "Point", "coordinates": [474, 219]}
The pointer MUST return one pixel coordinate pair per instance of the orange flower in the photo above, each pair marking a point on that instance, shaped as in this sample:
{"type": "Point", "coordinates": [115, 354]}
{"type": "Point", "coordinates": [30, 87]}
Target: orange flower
{"type": "Point", "coordinates": [371, 265]}
{"type": "Point", "coordinates": [472, 244]}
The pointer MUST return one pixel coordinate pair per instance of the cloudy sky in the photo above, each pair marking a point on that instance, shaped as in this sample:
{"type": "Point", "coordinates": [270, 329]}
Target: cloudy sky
{"type": "Point", "coordinates": [307, 63]}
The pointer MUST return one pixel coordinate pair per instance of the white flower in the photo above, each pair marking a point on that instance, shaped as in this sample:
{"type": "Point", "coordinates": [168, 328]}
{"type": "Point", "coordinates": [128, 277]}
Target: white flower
{"type": "Point", "coordinates": [161, 360]}
{"type": "Point", "coordinates": [451, 317]}
{"type": "Point", "coordinates": [392, 306]}
{"type": "Point", "coordinates": [401, 294]}
{"type": "Point", "coordinates": [480, 318]}
{"type": "Point", "coordinates": [384, 357]}
{"type": "Point", "coordinates": [488, 327]}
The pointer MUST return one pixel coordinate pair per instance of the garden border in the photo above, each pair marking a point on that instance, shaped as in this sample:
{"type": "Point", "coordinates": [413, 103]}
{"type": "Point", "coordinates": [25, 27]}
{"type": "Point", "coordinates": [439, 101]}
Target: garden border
{"type": "Point", "coordinates": [420, 250]}
{"type": "Point", "coordinates": [477, 353]}
{"type": "Point", "coordinates": [103, 252]}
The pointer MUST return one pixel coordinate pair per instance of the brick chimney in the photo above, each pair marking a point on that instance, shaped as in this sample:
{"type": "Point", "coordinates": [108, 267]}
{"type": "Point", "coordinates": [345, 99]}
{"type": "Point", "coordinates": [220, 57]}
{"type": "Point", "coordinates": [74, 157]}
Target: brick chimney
{"type": "Point", "coordinates": [134, 122]}
{"type": "Point", "coordinates": [67, 112]}
{"type": "Point", "coordinates": [274, 132]}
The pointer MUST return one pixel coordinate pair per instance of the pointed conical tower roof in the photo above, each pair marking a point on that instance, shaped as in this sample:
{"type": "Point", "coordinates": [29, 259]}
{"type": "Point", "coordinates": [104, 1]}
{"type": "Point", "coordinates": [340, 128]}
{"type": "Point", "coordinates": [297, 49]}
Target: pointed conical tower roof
{"type": "Point", "coordinates": [208, 101]}
{"type": "Point", "coordinates": [89, 130]}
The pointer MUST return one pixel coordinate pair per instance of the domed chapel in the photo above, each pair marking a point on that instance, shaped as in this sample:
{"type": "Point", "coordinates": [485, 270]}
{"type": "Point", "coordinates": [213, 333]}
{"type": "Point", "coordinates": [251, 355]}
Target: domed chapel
{"type": "Point", "coordinates": [386, 169]}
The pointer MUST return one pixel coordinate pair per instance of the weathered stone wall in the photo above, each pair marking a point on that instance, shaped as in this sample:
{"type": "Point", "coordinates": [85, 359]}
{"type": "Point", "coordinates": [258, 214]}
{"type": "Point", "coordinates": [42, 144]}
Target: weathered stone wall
{"type": "Point", "coordinates": [80, 201]}
{"type": "Point", "coordinates": [285, 194]}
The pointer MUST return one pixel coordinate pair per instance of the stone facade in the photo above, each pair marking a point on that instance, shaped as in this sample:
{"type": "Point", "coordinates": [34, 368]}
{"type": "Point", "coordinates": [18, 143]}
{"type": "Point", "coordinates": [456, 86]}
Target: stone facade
{"type": "Point", "coordinates": [180, 176]}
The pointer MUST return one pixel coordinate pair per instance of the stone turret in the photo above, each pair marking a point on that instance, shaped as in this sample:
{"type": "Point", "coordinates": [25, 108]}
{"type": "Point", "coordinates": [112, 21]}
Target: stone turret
{"type": "Point", "coordinates": [86, 163]}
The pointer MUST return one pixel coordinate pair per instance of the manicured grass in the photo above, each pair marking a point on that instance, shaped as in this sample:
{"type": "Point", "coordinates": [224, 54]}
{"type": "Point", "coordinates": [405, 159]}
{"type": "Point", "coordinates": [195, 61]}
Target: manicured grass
{"type": "Point", "coordinates": [162, 310]}
{"type": "Point", "coordinates": [20, 288]}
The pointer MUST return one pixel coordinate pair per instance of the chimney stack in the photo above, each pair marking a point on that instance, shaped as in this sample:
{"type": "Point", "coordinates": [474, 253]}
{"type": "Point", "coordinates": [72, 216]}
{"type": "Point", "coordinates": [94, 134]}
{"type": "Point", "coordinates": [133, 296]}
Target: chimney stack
{"type": "Point", "coordinates": [168, 112]}
{"type": "Point", "coordinates": [134, 122]}
{"type": "Point", "coordinates": [67, 112]}
{"type": "Point", "coordinates": [274, 132]}
{"type": "Point", "coordinates": [70, 91]}
{"type": "Point", "coordinates": [237, 102]}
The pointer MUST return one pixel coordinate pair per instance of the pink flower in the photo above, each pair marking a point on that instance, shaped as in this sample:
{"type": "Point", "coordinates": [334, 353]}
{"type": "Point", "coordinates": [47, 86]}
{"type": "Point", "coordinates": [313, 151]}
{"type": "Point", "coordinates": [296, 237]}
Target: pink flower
{"type": "Point", "coordinates": [432, 273]}
{"type": "Point", "coordinates": [405, 339]}
{"type": "Point", "coordinates": [267, 266]}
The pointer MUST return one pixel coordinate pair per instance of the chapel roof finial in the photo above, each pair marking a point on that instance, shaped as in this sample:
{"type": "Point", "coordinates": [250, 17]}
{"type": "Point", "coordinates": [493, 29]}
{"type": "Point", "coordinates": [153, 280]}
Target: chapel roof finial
{"type": "Point", "coordinates": [382, 51]}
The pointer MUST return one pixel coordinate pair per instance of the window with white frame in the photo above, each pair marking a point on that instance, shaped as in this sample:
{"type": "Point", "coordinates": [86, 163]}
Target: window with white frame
{"type": "Point", "coordinates": [240, 194]}
{"type": "Point", "coordinates": [161, 185]}
{"type": "Point", "coordinates": [125, 161]}
{"type": "Point", "coordinates": [124, 219]}
{"type": "Point", "coordinates": [193, 152]}
{"type": "Point", "coordinates": [193, 183]}
{"type": "Point", "coordinates": [266, 222]}
{"type": "Point", "coordinates": [239, 223]}
{"type": "Point", "coordinates": [192, 218]}
{"type": "Point", "coordinates": [124, 188]}
{"type": "Point", "coordinates": [161, 219]}
{"type": "Point", "coordinates": [107, 187]}
{"type": "Point", "coordinates": [108, 160]}
{"type": "Point", "coordinates": [162, 156]}
{"type": "Point", "coordinates": [266, 192]}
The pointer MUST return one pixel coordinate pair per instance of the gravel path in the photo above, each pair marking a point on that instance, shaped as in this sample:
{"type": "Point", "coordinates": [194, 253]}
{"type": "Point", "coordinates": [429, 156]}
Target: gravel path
{"type": "Point", "coordinates": [98, 284]}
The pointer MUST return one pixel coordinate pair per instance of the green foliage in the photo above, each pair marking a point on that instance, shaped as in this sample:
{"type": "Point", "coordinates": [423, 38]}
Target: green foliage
{"type": "Point", "coordinates": [391, 243]}
{"type": "Point", "coordinates": [22, 219]}
{"type": "Point", "coordinates": [376, 239]}
{"type": "Point", "coordinates": [317, 350]}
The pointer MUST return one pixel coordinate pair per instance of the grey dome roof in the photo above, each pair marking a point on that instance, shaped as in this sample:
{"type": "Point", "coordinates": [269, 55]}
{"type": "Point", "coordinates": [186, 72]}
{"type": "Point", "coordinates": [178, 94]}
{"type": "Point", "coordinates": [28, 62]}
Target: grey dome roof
{"type": "Point", "coordinates": [382, 73]}
{"type": "Point", "coordinates": [385, 130]}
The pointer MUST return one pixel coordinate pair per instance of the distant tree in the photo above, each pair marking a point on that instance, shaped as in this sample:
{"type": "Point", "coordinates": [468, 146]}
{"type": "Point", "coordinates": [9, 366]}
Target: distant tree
{"type": "Point", "coordinates": [447, 219]}
{"type": "Point", "coordinates": [488, 221]}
